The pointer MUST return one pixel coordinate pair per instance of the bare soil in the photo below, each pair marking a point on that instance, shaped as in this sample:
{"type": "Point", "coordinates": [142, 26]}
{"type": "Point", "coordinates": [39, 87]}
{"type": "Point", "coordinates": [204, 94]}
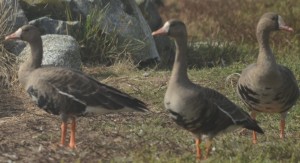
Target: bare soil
{"type": "Point", "coordinates": [28, 134]}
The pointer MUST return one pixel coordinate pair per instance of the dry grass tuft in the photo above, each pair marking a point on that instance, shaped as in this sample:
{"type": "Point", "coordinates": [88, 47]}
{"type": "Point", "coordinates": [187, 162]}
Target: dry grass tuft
{"type": "Point", "coordinates": [230, 20]}
{"type": "Point", "coordinates": [7, 60]}
{"type": "Point", "coordinates": [106, 48]}
{"type": "Point", "coordinates": [232, 80]}
{"type": "Point", "coordinates": [7, 68]}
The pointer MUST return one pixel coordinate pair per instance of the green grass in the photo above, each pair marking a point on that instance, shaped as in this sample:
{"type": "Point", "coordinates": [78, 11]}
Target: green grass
{"type": "Point", "coordinates": [153, 137]}
{"type": "Point", "coordinates": [100, 46]}
{"type": "Point", "coordinates": [160, 140]}
{"type": "Point", "coordinates": [176, 145]}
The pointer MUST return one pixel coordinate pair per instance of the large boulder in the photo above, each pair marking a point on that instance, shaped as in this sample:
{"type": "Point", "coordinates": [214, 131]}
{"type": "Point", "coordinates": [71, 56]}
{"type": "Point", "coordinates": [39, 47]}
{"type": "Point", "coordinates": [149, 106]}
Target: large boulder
{"type": "Point", "coordinates": [126, 18]}
{"type": "Point", "coordinates": [150, 12]}
{"type": "Point", "coordinates": [55, 9]}
{"type": "Point", "coordinates": [118, 16]}
{"type": "Point", "coordinates": [59, 50]}
{"type": "Point", "coordinates": [15, 47]}
{"type": "Point", "coordinates": [166, 49]}
{"type": "Point", "coordinates": [52, 26]}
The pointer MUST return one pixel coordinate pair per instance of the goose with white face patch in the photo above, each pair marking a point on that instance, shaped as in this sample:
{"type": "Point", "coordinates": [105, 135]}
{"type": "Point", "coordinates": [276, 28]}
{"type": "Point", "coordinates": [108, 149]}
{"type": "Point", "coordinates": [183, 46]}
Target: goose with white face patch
{"type": "Point", "coordinates": [202, 111]}
{"type": "Point", "coordinates": [266, 86]}
{"type": "Point", "coordinates": [66, 92]}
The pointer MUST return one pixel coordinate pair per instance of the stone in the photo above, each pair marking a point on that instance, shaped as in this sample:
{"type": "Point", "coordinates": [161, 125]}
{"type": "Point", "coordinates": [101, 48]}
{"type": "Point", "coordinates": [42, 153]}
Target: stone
{"type": "Point", "coordinates": [55, 9]}
{"type": "Point", "coordinates": [52, 26]}
{"type": "Point", "coordinates": [59, 50]}
{"type": "Point", "coordinates": [15, 46]}
{"type": "Point", "coordinates": [13, 14]}
{"type": "Point", "coordinates": [118, 16]}
{"type": "Point", "coordinates": [151, 14]}
{"type": "Point", "coordinates": [125, 18]}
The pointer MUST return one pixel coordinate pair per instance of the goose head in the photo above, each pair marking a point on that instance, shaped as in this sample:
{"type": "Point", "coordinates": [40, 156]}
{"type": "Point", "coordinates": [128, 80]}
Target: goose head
{"type": "Point", "coordinates": [173, 28]}
{"type": "Point", "coordinates": [27, 33]}
{"type": "Point", "coordinates": [271, 22]}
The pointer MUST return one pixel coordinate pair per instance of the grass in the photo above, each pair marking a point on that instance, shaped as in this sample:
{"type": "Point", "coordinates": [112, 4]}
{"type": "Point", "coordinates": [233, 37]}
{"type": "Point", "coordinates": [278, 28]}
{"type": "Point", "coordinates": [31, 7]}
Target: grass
{"type": "Point", "coordinates": [153, 137]}
{"type": "Point", "coordinates": [157, 139]}
{"type": "Point", "coordinates": [231, 21]}
{"type": "Point", "coordinates": [97, 45]}
{"type": "Point", "coordinates": [100, 46]}
{"type": "Point", "coordinates": [230, 147]}
{"type": "Point", "coordinates": [150, 137]}
{"type": "Point", "coordinates": [7, 60]}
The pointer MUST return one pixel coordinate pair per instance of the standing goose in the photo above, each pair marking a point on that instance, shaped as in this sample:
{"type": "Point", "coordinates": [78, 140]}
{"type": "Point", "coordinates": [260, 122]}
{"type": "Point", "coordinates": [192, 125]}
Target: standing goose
{"type": "Point", "coordinates": [202, 111]}
{"type": "Point", "coordinates": [266, 86]}
{"type": "Point", "coordinates": [65, 92]}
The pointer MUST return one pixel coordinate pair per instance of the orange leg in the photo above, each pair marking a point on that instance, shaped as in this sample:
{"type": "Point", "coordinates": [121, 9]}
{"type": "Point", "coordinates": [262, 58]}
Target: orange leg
{"type": "Point", "coordinates": [282, 126]}
{"type": "Point", "coordinates": [208, 148]}
{"type": "Point", "coordinates": [254, 137]}
{"type": "Point", "coordinates": [198, 142]}
{"type": "Point", "coordinates": [63, 133]}
{"type": "Point", "coordinates": [72, 144]}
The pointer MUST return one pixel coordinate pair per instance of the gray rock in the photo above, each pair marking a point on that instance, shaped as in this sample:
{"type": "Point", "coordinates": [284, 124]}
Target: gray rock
{"type": "Point", "coordinates": [15, 47]}
{"type": "Point", "coordinates": [121, 16]}
{"type": "Point", "coordinates": [51, 26]}
{"type": "Point", "coordinates": [59, 50]}
{"type": "Point", "coordinates": [82, 7]}
{"type": "Point", "coordinates": [125, 18]}
{"type": "Point", "coordinates": [166, 50]}
{"type": "Point", "coordinates": [13, 13]}
{"type": "Point", "coordinates": [56, 9]}
{"type": "Point", "coordinates": [150, 12]}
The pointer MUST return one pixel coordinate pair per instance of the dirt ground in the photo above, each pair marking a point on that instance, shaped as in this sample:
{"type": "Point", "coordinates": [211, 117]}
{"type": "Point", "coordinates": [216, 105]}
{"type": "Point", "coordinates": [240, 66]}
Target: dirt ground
{"type": "Point", "coordinates": [28, 134]}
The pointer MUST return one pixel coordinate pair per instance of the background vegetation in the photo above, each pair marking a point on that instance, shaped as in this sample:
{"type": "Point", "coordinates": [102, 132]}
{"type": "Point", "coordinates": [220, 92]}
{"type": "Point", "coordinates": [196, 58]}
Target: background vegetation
{"type": "Point", "coordinates": [233, 23]}
{"type": "Point", "coordinates": [7, 70]}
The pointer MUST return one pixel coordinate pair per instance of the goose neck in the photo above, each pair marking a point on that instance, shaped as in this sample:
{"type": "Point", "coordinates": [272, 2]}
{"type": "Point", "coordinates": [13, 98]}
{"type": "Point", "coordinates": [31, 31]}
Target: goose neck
{"type": "Point", "coordinates": [265, 53]}
{"type": "Point", "coordinates": [33, 61]}
{"type": "Point", "coordinates": [179, 71]}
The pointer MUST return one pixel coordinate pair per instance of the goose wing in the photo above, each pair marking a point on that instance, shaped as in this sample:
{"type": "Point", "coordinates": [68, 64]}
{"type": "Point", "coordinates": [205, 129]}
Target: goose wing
{"type": "Point", "coordinates": [289, 91]}
{"type": "Point", "coordinates": [82, 89]}
{"type": "Point", "coordinates": [225, 110]}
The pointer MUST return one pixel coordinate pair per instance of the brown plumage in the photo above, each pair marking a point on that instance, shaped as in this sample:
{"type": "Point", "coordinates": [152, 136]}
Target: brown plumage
{"type": "Point", "coordinates": [66, 92]}
{"type": "Point", "coordinates": [266, 86]}
{"type": "Point", "coordinates": [202, 111]}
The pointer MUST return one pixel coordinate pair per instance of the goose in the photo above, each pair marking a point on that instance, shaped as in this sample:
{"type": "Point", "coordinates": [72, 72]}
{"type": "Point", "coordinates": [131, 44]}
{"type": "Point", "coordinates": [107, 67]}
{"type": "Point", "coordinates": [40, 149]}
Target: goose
{"type": "Point", "coordinates": [266, 86]}
{"type": "Point", "coordinates": [66, 92]}
{"type": "Point", "coordinates": [202, 111]}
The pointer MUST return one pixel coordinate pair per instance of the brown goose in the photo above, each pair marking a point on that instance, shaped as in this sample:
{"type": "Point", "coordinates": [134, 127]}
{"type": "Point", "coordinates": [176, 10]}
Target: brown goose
{"type": "Point", "coordinates": [202, 111]}
{"type": "Point", "coordinates": [266, 86]}
{"type": "Point", "coordinates": [65, 92]}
